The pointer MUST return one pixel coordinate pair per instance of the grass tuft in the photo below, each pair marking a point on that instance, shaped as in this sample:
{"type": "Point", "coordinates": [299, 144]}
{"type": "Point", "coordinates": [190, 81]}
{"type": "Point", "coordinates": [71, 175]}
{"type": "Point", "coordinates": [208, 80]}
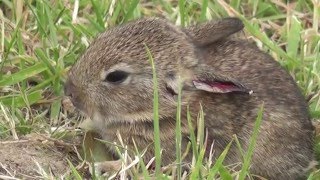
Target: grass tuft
{"type": "Point", "coordinates": [40, 40]}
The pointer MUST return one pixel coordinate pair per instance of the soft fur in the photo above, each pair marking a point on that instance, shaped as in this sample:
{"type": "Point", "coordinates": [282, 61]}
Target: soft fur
{"type": "Point", "coordinates": [230, 78]}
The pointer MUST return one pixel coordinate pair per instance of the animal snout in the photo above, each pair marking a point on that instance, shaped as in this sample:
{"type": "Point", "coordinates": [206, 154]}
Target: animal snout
{"type": "Point", "coordinates": [69, 89]}
{"type": "Point", "coordinates": [73, 93]}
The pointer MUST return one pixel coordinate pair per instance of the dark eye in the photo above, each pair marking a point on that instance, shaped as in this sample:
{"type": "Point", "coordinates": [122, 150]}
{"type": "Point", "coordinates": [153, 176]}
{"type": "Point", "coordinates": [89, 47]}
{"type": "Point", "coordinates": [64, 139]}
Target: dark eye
{"type": "Point", "coordinates": [117, 77]}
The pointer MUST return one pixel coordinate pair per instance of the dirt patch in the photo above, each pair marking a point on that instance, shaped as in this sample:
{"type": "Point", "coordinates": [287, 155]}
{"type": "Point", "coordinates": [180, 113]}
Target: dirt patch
{"type": "Point", "coordinates": [34, 157]}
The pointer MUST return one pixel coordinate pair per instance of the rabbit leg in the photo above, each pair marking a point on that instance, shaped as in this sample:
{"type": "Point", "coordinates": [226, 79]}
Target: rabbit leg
{"type": "Point", "coordinates": [107, 168]}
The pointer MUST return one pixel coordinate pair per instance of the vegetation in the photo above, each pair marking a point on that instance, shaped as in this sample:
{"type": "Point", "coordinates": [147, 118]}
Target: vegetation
{"type": "Point", "coordinates": [41, 39]}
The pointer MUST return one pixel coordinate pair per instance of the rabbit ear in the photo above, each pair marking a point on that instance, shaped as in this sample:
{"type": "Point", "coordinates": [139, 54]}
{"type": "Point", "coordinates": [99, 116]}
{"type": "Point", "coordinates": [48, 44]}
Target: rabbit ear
{"type": "Point", "coordinates": [204, 80]}
{"type": "Point", "coordinates": [218, 86]}
{"type": "Point", "coordinates": [215, 83]}
{"type": "Point", "coordinates": [207, 33]}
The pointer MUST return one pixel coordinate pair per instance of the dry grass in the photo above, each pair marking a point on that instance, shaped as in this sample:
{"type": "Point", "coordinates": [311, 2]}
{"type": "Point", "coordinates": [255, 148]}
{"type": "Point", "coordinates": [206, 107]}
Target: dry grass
{"type": "Point", "coordinates": [41, 39]}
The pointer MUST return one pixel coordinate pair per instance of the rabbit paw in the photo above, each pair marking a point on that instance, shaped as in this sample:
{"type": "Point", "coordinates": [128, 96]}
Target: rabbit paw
{"type": "Point", "coordinates": [107, 168]}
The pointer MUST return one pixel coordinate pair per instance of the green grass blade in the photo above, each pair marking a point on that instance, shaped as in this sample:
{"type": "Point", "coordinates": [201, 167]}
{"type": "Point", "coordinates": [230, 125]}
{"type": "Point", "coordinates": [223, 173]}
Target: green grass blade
{"type": "Point", "coordinates": [294, 37]}
{"type": "Point", "coordinates": [11, 43]}
{"type": "Point", "coordinates": [218, 164]}
{"type": "Point", "coordinates": [199, 146]}
{"type": "Point", "coordinates": [23, 74]}
{"type": "Point", "coordinates": [200, 127]}
{"type": "Point", "coordinates": [43, 57]}
{"type": "Point", "coordinates": [192, 135]}
{"type": "Point", "coordinates": [75, 173]}
{"type": "Point", "coordinates": [235, 4]}
{"type": "Point", "coordinates": [225, 174]}
{"type": "Point", "coordinates": [145, 172]}
{"type": "Point", "coordinates": [98, 13]}
{"type": "Point", "coordinates": [55, 111]}
{"type": "Point", "coordinates": [37, 17]}
{"type": "Point", "coordinates": [50, 24]}
{"type": "Point", "coordinates": [133, 6]}
{"type": "Point", "coordinates": [19, 101]}
{"type": "Point", "coordinates": [166, 5]}
{"type": "Point", "coordinates": [182, 11]}
{"type": "Point", "coordinates": [178, 132]}
{"type": "Point", "coordinates": [264, 38]}
{"type": "Point", "coordinates": [204, 8]}
{"type": "Point", "coordinates": [155, 115]}
{"type": "Point", "coordinates": [195, 173]}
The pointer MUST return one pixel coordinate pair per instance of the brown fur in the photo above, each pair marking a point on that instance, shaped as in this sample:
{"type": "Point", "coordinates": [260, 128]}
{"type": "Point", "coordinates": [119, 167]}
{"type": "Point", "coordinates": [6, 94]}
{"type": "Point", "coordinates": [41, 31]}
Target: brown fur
{"type": "Point", "coordinates": [205, 54]}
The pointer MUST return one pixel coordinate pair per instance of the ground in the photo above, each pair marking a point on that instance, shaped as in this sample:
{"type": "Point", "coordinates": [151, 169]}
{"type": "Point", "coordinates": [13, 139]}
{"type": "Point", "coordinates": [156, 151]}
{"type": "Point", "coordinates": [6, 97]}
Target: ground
{"type": "Point", "coordinates": [41, 39]}
{"type": "Point", "coordinates": [32, 156]}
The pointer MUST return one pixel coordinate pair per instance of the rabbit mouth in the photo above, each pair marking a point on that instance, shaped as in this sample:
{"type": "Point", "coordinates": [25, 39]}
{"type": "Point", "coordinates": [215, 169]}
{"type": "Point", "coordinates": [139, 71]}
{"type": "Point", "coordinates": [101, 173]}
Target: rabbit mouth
{"type": "Point", "coordinates": [76, 105]}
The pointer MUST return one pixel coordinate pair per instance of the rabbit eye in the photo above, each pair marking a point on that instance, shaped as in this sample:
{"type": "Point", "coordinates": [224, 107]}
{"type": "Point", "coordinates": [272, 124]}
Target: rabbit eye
{"type": "Point", "coordinates": [117, 77]}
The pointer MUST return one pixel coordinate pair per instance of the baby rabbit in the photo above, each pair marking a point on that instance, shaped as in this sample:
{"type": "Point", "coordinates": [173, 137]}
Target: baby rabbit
{"type": "Point", "coordinates": [112, 83]}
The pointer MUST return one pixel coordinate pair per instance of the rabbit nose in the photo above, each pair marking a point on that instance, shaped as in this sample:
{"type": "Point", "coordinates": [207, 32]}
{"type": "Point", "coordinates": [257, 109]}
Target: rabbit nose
{"type": "Point", "coordinates": [74, 93]}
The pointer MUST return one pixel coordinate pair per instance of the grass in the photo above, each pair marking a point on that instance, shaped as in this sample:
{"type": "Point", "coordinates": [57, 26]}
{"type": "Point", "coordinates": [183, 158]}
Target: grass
{"type": "Point", "coordinates": [155, 116]}
{"type": "Point", "coordinates": [40, 40]}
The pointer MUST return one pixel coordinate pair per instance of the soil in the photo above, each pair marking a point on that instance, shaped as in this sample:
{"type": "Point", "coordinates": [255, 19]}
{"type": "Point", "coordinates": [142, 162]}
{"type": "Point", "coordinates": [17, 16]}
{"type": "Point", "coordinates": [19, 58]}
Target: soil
{"type": "Point", "coordinates": [34, 157]}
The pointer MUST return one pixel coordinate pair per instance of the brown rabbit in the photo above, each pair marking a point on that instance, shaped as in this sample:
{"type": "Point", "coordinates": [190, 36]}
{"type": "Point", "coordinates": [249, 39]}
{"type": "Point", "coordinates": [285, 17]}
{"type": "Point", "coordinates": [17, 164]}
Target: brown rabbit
{"type": "Point", "coordinates": [112, 83]}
